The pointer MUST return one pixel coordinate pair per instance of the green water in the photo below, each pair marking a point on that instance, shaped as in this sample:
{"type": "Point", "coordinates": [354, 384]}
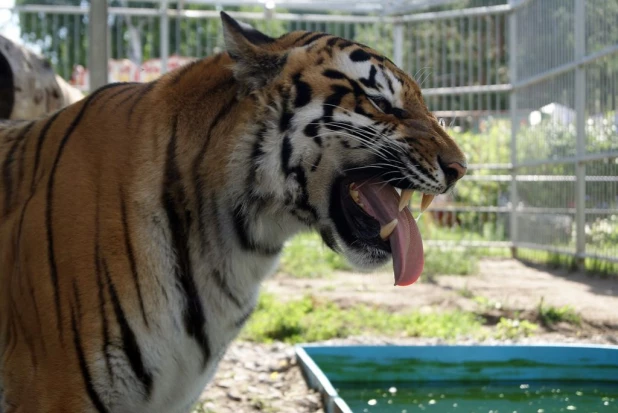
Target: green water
{"type": "Point", "coordinates": [498, 397]}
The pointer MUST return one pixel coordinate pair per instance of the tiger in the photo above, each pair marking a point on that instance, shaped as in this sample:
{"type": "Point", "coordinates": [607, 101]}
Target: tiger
{"type": "Point", "coordinates": [139, 223]}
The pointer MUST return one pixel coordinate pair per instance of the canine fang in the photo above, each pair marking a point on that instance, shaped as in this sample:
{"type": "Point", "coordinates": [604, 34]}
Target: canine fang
{"type": "Point", "coordinates": [388, 229]}
{"type": "Point", "coordinates": [426, 201]}
{"type": "Point", "coordinates": [406, 195]}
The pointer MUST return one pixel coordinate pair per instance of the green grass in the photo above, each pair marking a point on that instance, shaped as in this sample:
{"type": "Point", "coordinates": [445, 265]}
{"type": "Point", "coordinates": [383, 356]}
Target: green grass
{"type": "Point", "coordinates": [440, 261]}
{"type": "Point", "coordinates": [550, 315]}
{"type": "Point", "coordinates": [306, 256]}
{"type": "Point", "coordinates": [309, 319]}
{"type": "Point", "coordinates": [555, 260]}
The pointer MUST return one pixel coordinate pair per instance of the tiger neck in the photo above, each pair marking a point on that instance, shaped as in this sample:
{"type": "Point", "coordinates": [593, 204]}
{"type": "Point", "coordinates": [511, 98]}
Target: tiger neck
{"type": "Point", "coordinates": [262, 194]}
{"type": "Point", "coordinates": [243, 195]}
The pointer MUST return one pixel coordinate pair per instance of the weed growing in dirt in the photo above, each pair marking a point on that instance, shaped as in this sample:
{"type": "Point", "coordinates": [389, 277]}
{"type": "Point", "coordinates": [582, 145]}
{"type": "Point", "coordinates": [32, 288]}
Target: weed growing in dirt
{"type": "Point", "coordinates": [550, 315]}
{"type": "Point", "coordinates": [310, 319]}
{"type": "Point", "coordinates": [508, 328]}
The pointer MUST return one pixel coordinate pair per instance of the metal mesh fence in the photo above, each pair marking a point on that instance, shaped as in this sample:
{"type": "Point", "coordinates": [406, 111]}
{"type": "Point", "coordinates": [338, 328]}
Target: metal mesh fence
{"type": "Point", "coordinates": [529, 89]}
{"type": "Point", "coordinates": [566, 84]}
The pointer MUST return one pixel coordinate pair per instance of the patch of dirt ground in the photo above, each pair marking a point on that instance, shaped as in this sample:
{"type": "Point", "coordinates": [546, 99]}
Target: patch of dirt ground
{"type": "Point", "coordinates": [265, 378]}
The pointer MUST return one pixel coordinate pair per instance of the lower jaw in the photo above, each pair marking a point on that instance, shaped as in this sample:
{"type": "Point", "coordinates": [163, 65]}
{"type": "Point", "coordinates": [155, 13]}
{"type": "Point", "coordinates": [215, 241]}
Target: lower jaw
{"type": "Point", "coordinates": [364, 239]}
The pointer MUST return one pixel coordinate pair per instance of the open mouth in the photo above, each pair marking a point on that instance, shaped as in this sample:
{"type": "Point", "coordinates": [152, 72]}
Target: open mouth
{"type": "Point", "coordinates": [376, 217]}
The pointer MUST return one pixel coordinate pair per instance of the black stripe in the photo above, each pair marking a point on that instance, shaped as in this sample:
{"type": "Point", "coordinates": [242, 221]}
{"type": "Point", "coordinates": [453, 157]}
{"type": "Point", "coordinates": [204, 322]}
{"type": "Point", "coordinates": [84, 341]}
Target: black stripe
{"type": "Point", "coordinates": [174, 201]}
{"type": "Point", "coordinates": [302, 37]}
{"type": "Point", "coordinates": [390, 84]}
{"type": "Point", "coordinates": [314, 38]}
{"type": "Point", "coordinates": [286, 113]}
{"type": "Point", "coordinates": [25, 335]}
{"type": "Point", "coordinates": [99, 96]}
{"type": "Point", "coordinates": [329, 239]}
{"type": "Point", "coordinates": [286, 154]}
{"type": "Point", "coordinates": [22, 156]}
{"type": "Point", "coordinates": [101, 289]}
{"type": "Point", "coordinates": [39, 146]}
{"type": "Point", "coordinates": [315, 165]}
{"type": "Point", "coordinates": [53, 269]}
{"type": "Point", "coordinates": [303, 91]}
{"type": "Point", "coordinates": [332, 41]}
{"type": "Point", "coordinates": [37, 314]}
{"type": "Point", "coordinates": [104, 324]}
{"type": "Point", "coordinates": [333, 101]}
{"type": "Point", "coordinates": [7, 174]}
{"type": "Point", "coordinates": [371, 80]}
{"type": "Point", "coordinates": [142, 93]}
{"type": "Point", "coordinates": [180, 72]}
{"type": "Point", "coordinates": [197, 162]}
{"type": "Point", "coordinates": [131, 255]}
{"type": "Point", "coordinates": [334, 74]}
{"type": "Point", "coordinates": [344, 43]}
{"type": "Point", "coordinates": [129, 87]}
{"type": "Point", "coordinates": [246, 242]}
{"type": "Point", "coordinates": [359, 55]}
{"type": "Point", "coordinates": [243, 319]}
{"type": "Point", "coordinates": [78, 302]}
{"type": "Point", "coordinates": [125, 100]}
{"type": "Point", "coordinates": [256, 153]}
{"type": "Point", "coordinates": [224, 286]}
{"type": "Point", "coordinates": [129, 342]}
{"type": "Point", "coordinates": [83, 366]}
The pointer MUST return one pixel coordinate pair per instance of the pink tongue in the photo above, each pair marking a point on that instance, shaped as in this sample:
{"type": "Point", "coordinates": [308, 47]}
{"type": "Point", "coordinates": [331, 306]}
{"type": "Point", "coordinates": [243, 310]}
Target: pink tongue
{"type": "Point", "coordinates": [381, 201]}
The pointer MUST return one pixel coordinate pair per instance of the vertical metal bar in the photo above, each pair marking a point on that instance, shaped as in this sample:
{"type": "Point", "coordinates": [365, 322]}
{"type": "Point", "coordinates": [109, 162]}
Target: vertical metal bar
{"type": "Point", "coordinates": [54, 43]}
{"type": "Point", "coordinates": [198, 38]}
{"type": "Point", "coordinates": [119, 37]}
{"type": "Point", "coordinates": [470, 57]}
{"type": "Point", "coordinates": [66, 47]}
{"type": "Point", "coordinates": [443, 29]}
{"type": "Point", "coordinates": [177, 28]}
{"type": "Point", "coordinates": [417, 53]}
{"type": "Point", "coordinates": [164, 36]}
{"type": "Point", "coordinates": [398, 44]}
{"type": "Point", "coordinates": [512, 25]}
{"type": "Point", "coordinates": [77, 38]}
{"type": "Point", "coordinates": [580, 108]}
{"type": "Point", "coordinates": [96, 37]}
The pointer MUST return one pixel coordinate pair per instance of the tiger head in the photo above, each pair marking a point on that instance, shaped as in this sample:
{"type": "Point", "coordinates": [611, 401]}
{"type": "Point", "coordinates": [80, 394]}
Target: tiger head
{"type": "Point", "coordinates": [345, 138]}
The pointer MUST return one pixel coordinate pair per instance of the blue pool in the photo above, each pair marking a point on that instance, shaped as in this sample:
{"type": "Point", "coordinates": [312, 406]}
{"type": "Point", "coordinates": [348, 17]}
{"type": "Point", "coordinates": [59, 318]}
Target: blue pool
{"type": "Point", "coordinates": [503, 378]}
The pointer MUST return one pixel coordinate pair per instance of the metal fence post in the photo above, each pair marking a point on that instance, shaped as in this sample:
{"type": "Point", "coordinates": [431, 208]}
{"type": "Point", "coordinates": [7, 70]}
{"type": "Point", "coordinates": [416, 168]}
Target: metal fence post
{"type": "Point", "coordinates": [97, 42]}
{"type": "Point", "coordinates": [512, 50]}
{"type": "Point", "coordinates": [580, 122]}
{"type": "Point", "coordinates": [398, 44]}
{"type": "Point", "coordinates": [164, 36]}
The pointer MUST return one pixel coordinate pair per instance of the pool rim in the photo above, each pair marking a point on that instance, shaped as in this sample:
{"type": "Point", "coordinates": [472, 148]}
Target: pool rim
{"type": "Point", "coordinates": [317, 380]}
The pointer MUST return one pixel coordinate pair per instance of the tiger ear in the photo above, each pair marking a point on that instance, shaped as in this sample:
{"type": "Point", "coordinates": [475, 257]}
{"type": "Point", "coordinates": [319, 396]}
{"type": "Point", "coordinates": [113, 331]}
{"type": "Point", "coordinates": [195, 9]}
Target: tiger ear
{"type": "Point", "coordinates": [255, 65]}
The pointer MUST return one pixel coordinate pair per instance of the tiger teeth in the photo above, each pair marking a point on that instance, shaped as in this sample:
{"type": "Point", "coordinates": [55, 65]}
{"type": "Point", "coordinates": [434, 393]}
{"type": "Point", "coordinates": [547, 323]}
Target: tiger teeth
{"type": "Point", "coordinates": [406, 195]}
{"type": "Point", "coordinates": [355, 195]}
{"type": "Point", "coordinates": [388, 229]}
{"type": "Point", "coordinates": [426, 201]}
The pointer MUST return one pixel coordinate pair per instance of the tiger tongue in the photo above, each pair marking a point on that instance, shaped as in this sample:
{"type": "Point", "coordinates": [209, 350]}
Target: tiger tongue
{"type": "Point", "coordinates": [382, 201]}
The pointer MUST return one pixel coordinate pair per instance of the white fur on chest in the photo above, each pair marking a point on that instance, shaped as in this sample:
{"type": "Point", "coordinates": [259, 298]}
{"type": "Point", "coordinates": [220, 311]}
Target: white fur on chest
{"type": "Point", "coordinates": [180, 376]}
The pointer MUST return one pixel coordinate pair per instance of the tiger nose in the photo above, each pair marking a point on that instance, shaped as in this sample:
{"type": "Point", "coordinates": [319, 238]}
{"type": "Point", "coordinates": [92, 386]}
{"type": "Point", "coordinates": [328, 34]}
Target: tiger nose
{"type": "Point", "coordinates": [453, 172]}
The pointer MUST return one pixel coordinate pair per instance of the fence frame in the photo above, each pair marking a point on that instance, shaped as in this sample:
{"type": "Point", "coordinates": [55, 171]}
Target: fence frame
{"type": "Point", "coordinates": [579, 64]}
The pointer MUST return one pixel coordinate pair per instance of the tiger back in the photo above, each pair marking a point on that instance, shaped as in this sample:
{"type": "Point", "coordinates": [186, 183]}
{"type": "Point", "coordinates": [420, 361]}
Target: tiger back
{"type": "Point", "coordinates": [138, 224]}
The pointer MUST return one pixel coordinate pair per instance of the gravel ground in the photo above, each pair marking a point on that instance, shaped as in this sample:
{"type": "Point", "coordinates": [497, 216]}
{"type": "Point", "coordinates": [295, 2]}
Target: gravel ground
{"type": "Point", "coordinates": [265, 377]}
